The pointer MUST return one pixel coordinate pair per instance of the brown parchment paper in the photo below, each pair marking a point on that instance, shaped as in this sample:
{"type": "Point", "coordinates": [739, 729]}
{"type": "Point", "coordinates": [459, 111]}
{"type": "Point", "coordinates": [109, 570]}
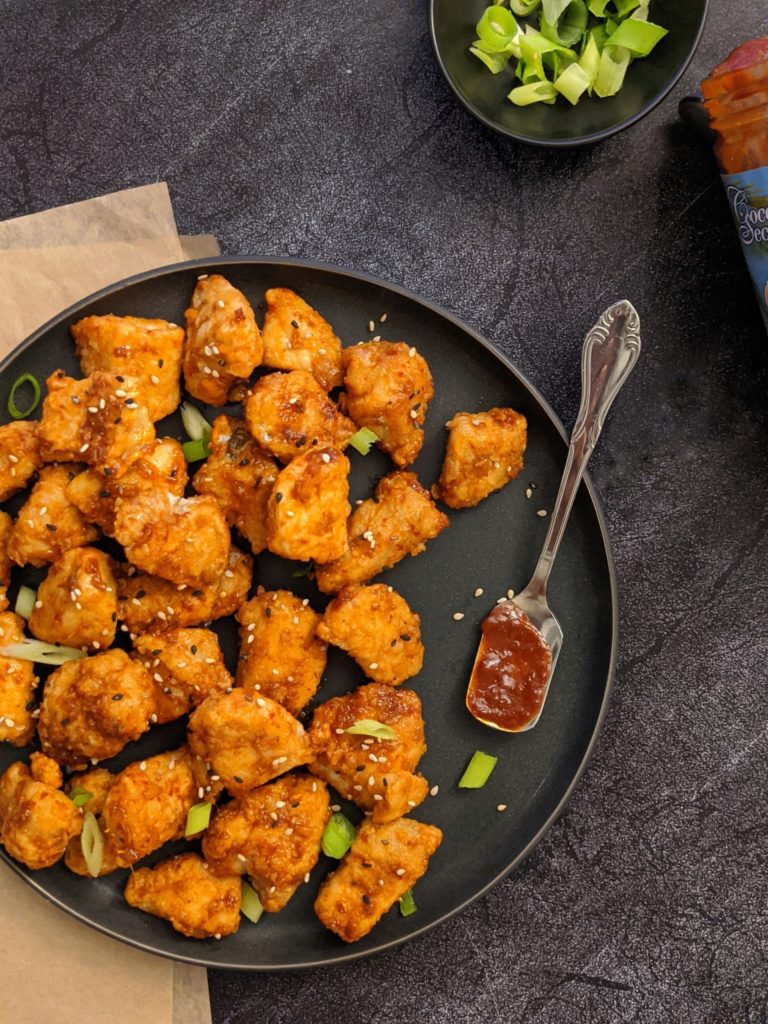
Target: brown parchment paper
{"type": "Point", "coordinates": [55, 969]}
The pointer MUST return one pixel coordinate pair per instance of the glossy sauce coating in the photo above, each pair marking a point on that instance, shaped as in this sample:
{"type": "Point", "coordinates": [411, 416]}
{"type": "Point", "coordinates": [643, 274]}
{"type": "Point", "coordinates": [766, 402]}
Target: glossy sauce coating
{"type": "Point", "coordinates": [510, 676]}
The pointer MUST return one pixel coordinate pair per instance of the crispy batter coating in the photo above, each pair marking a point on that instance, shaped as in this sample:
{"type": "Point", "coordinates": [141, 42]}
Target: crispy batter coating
{"type": "Point", "coordinates": [91, 708]}
{"type": "Point", "coordinates": [280, 655]}
{"type": "Point", "coordinates": [77, 601]}
{"type": "Point", "coordinates": [388, 389]}
{"type": "Point", "coordinates": [147, 805]}
{"type": "Point", "coordinates": [48, 524]}
{"type": "Point", "coordinates": [6, 527]}
{"type": "Point", "coordinates": [20, 455]}
{"type": "Point", "coordinates": [223, 345]}
{"type": "Point", "coordinates": [385, 861]}
{"type": "Point", "coordinates": [272, 834]}
{"type": "Point", "coordinates": [44, 769]}
{"type": "Point", "coordinates": [162, 468]}
{"type": "Point", "coordinates": [247, 739]}
{"type": "Point", "coordinates": [102, 420]}
{"type": "Point", "coordinates": [96, 781]}
{"type": "Point", "coordinates": [309, 505]}
{"type": "Point", "coordinates": [289, 412]}
{"type": "Point", "coordinates": [375, 626]}
{"type": "Point", "coordinates": [184, 540]}
{"type": "Point", "coordinates": [239, 475]}
{"type": "Point", "coordinates": [186, 667]}
{"type": "Point", "coordinates": [17, 687]}
{"type": "Point", "coordinates": [183, 891]}
{"type": "Point", "coordinates": [148, 603]}
{"type": "Point", "coordinates": [149, 350]}
{"type": "Point", "coordinates": [386, 786]}
{"type": "Point", "coordinates": [398, 521]}
{"type": "Point", "coordinates": [484, 452]}
{"type": "Point", "coordinates": [37, 820]}
{"type": "Point", "coordinates": [296, 337]}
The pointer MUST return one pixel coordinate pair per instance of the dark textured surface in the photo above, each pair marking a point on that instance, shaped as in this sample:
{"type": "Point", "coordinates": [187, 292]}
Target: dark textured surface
{"type": "Point", "coordinates": [326, 131]}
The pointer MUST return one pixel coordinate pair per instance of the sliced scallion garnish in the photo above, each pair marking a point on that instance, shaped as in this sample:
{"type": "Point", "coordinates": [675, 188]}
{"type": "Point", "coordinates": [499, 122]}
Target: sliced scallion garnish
{"type": "Point", "coordinates": [194, 451]}
{"type": "Point", "coordinates": [13, 409]}
{"type": "Point", "coordinates": [92, 844]}
{"type": "Point", "coordinates": [338, 836]}
{"type": "Point", "coordinates": [198, 819]}
{"type": "Point", "coordinates": [363, 439]}
{"type": "Point", "coordinates": [407, 904]}
{"type": "Point", "coordinates": [195, 424]}
{"type": "Point", "coordinates": [42, 653]}
{"type": "Point", "coordinates": [478, 771]}
{"type": "Point", "coordinates": [370, 727]}
{"type": "Point", "coordinates": [79, 795]}
{"type": "Point", "coordinates": [25, 602]}
{"type": "Point", "coordinates": [250, 904]}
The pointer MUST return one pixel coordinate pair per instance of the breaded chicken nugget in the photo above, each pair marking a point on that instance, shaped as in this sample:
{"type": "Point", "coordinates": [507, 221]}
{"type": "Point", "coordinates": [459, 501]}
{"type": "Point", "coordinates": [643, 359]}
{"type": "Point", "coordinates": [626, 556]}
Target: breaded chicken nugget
{"type": "Point", "coordinates": [308, 508]}
{"type": "Point", "coordinates": [484, 452]}
{"type": "Point", "coordinates": [297, 338]}
{"type": "Point", "coordinates": [48, 524]}
{"type": "Point", "coordinates": [17, 687]}
{"type": "Point", "coordinates": [77, 601]}
{"type": "Point", "coordinates": [20, 455]}
{"type": "Point", "coordinates": [37, 820]}
{"type": "Point", "coordinates": [6, 527]}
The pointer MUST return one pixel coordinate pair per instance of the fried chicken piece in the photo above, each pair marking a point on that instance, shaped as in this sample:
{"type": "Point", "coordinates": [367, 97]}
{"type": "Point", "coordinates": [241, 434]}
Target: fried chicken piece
{"type": "Point", "coordinates": [484, 452]}
{"type": "Point", "coordinates": [308, 508]}
{"type": "Point", "coordinates": [150, 604]}
{"type": "Point", "coordinates": [102, 420]}
{"type": "Point", "coordinates": [271, 834]}
{"type": "Point", "coordinates": [223, 345]}
{"type": "Point", "coordinates": [397, 521]}
{"type": "Point", "coordinates": [184, 540]}
{"type": "Point", "coordinates": [375, 626]}
{"type": "Point", "coordinates": [296, 337]}
{"type": "Point", "coordinates": [163, 468]}
{"type": "Point", "coordinates": [37, 820]}
{"type": "Point", "coordinates": [77, 601]}
{"type": "Point", "coordinates": [183, 891]}
{"type": "Point", "coordinates": [290, 412]}
{"type": "Point", "coordinates": [386, 786]}
{"type": "Point", "coordinates": [148, 350]}
{"type": "Point", "coordinates": [280, 656]}
{"type": "Point", "coordinates": [388, 389]}
{"type": "Point", "coordinates": [20, 455]}
{"type": "Point", "coordinates": [17, 687]}
{"type": "Point", "coordinates": [92, 707]}
{"type": "Point", "coordinates": [6, 527]}
{"type": "Point", "coordinates": [239, 475]}
{"type": "Point", "coordinates": [385, 861]}
{"type": "Point", "coordinates": [48, 524]}
{"type": "Point", "coordinates": [186, 666]}
{"type": "Point", "coordinates": [247, 739]}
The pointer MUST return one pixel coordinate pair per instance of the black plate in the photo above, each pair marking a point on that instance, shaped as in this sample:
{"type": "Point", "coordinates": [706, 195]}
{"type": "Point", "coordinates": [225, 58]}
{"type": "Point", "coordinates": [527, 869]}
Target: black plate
{"type": "Point", "coordinates": [452, 26]}
{"type": "Point", "coordinates": [493, 546]}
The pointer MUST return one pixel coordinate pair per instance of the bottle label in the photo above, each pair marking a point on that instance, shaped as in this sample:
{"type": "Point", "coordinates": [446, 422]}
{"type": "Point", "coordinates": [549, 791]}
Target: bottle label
{"type": "Point", "coordinates": [748, 198]}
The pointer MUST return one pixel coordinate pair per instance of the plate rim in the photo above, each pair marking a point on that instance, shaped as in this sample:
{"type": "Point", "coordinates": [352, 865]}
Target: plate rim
{"type": "Point", "coordinates": [347, 957]}
{"type": "Point", "coordinates": [575, 140]}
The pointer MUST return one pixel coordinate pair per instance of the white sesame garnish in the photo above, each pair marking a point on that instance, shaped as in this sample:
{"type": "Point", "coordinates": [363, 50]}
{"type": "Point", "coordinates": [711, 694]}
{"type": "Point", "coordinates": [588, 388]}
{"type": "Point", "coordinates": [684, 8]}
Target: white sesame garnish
{"type": "Point", "coordinates": [275, 672]}
{"type": "Point", "coordinates": [93, 408]}
{"type": "Point", "coordinates": [528, 493]}
{"type": "Point", "coordinates": [371, 326]}
{"type": "Point", "coordinates": [400, 872]}
{"type": "Point", "coordinates": [84, 447]}
{"type": "Point", "coordinates": [306, 877]}
{"type": "Point", "coordinates": [13, 458]}
{"type": "Point", "coordinates": [383, 318]}
{"type": "Point", "coordinates": [411, 803]}
{"type": "Point", "coordinates": [289, 831]}
{"type": "Point", "coordinates": [241, 858]}
{"type": "Point", "coordinates": [201, 277]}
{"type": "Point", "coordinates": [434, 791]}
{"type": "Point", "coordinates": [251, 638]}
{"type": "Point", "coordinates": [201, 792]}
{"type": "Point", "coordinates": [339, 732]}
{"type": "Point", "coordinates": [206, 369]}
{"type": "Point", "coordinates": [214, 373]}
{"type": "Point", "coordinates": [376, 337]}
{"type": "Point", "coordinates": [479, 592]}
{"type": "Point", "coordinates": [154, 378]}
{"type": "Point", "coordinates": [458, 616]}
{"type": "Point", "coordinates": [325, 457]}
{"type": "Point", "coordinates": [377, 796]}
{"type": "Point", "coordinates": [119, 393]}
{"type": "Point", "coordinates": [295, 620]}
{"type": "Point", "coordinates": [371, 780]}
{"type": "Point", "coordinates": [510, 594]}
{"type": "Point", "coordinates": [373, 666]}
{"type": "Point", "coordinates": [314, 787]}
{"type": "Point", "coordinates": [220, 303]}
{"type": "Point", "coordinates": [261, 702]}
{"type": "Point", "coordinates": [372, 757]}
{"type": "Point", "coordinates": [38, 604]}
{"type": "Point", "coordinates": [501, 807]}
{"type": "Point", "coordinates": [143, 766]}
{"type": "Point", "coordinates": [278, 761]}
{"type": "Point", "coordinates": [153, 718]}
{"type": "Point", "coordinates": [210, 661]}
{"type": "Point", "coordinates": [411, 351]}
{"type": "Point", "coordinates": [273, 815]}
{"type": "Point", "coordinates": [290, 514]}
{"type": "Point", "coordinates": [157, 677]}
{"type": "Point", "coordinates": [541, 513]}
{"type": "Point", "coordinates": [10, 723]}
{"type": "Point", "coordinates": [335, 808]}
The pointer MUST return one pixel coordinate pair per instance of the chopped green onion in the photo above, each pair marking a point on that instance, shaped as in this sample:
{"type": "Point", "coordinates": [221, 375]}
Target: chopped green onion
{"type": "Point", "coordinates": [639, 37]}
{"type": "Point", "coordinates": [198, 819]}
{"type": "Point", "coordinates": [496, 29]}
{"type": "Point", "coordinates": [338, 836]}
{"type": "Point", "coordinates": [522, 8]}
{"type": "Point", "coordinates": [535, 92]}
{"type": "Point", "coordinates": [13, 409]}
{"type": "Point", "coordinates": [195, 424]}
{"type": "Point", "coordinates": [25, 602]}
{"type": "Point", "coordinates": [552, 9]}
{"type": "Point", "coordinates": [597, 7]}
{"type": "Point", "coordinates": [79, 796]}
{"type": "Point", "coordinates": [589, 61]}
{"type": "Point", "coordinates": [495, 62]}
{"type": "Point", "coordinates": [42, 653]}
{"type": "Point", "coordinates": [571, 26]}
{"type": "Point", "coordinates": [370, 727]}
{"type": "Point", "coordinates": [572, 83]}
{"type": "Point", "coordinates": [92, 844]}
{"type": "Point", "coordinates": [194, 451]}
{"type": "Point", "coordinates": [407, 904]}
{"type": "Point", "coordinates": [611, 70]}
{"type": "Point", "coordinates": [478, 771]}
{"type": "Point", "coordinates": [363, 439]}
{"type": "Point", "coordinates": [250, 904]}
{"type": "Point", "coordinates": [305, 570]}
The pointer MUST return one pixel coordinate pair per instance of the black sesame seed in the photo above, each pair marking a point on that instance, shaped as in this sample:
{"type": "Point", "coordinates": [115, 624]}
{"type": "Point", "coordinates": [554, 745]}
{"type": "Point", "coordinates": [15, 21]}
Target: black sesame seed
{"type": "Point", "coordinates": [118, 420]}
{"type": "Point", "coordinates": [121, 379]}
{"type": "Point", "coordinates": [384, 781]}
{"type": "Point", "coordinates": [160, 362]}
{"type": "Point", "coordinates": [367, 864]}
{"type": "Point", "coordinates": [405, 636]}
{"type": "Point", "coordinates": [103, 494]}
{"type": "Point", "coordinates": [295, 803]}
{"type": "Point", "coordinates": [197, 593]}
{"type": "Point", "coordinates": [294, 324]}
{"type": "Point", "coordinates": [393, 643]}
{"type": "Point", "coordinates": [193, 649]}
{"type": "Point", "coordinates": [65, 721]}
{"type": "Point", "coordinates": [107, 471]}
{"type": "Point", "coordinates": [117, 696]}
{"type": "Point", "coordinates": [360, 768]}
{"type": "Point", "coordinates": [173, 474]}
{"type": "Point", "coordinates": [51, 527]}
{"type": "Point", "coordinates": [301, 442]}
{"type": "Point", "coordinates": [114, 616]}
{"type": "Point", "coordinates": [237, 778]}
{"type": "Point", "coordinates": [268, 612]}
{"type": "Point", "coordinates": [141, 593]}
{"type": "Point", "coordinates": [155, 653]}
{"type": "Point", "coordinates": [245, 462]}
{"type": "Point", "coordinates": [278, 498]}
{"type": "Point", "coordinates": [366, 899]}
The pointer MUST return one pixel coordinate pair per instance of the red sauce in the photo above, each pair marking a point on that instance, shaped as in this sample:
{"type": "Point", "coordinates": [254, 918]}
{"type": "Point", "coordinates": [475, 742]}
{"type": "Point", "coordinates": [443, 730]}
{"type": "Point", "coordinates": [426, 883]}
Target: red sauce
{"type": "Point", "coordinates": [510, 676]}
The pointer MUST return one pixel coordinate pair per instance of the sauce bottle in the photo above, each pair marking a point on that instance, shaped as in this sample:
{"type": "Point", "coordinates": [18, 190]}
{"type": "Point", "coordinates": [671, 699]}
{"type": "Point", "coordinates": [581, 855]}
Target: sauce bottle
{"type": "Point", "coordinates": [736, 101]}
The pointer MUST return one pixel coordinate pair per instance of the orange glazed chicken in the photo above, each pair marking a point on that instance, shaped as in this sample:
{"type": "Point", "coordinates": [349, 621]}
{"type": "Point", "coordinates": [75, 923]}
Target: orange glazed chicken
{"type": "Point", "coordinates": [223, 345]}
{"type": "Point", "coordinates": [37, 820]}
{"type": "Point", "coordinates": [484, 452]}
{"type": "Point", "coordinates": [376, 773]}
{"type": "Point", "coordinates": [148, 350]}
{"type": "Point", "coordinates": [297, 338]}
{"type": "Point", "coordinates": [20, 455]}
{"type": "Point", "coordinates": [240, 476]}
{"type": "Point", "coordinates": [385, 861]}
{"type": "Point", "coordinates": [48, 524]}
{"type": "Point", "coordinates": [388, 389]}
{"type": "Point", "coordinates": [288, 413]}
{"type": "Point", "coordinates": [17, 687]}
{"type": "Point", "coordinates": [271, 834]}
{"type": "Point", "coordinates": [77, 601]}
{"type": "Point", "coordinates": [182, 890]}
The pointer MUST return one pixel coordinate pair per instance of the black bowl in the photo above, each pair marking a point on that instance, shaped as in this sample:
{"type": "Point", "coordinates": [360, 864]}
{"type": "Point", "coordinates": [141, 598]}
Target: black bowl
{"type": "Point", "coordinates": [648, 81]}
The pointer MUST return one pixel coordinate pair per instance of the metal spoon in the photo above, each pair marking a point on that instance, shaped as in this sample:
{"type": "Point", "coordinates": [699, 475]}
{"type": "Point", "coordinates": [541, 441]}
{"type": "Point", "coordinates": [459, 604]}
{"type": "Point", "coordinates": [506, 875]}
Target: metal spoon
{"type": "Point", "coordinates": [608, 357]}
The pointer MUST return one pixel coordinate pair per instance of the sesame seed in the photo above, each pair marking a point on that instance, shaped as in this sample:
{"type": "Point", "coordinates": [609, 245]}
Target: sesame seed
{"type": "Point", "coordinates": [400, 872]}
{"type": "Point", "coordinates": [411, 803]}
{"type": "Point", "coordinates": [510, 594]}
{"type": "Point", "coordinates": [528, 493]}
{"type": "Point", "coordinates": [12, 458]}
{"type": "Point", "coordinates": [411, 352]}
{"type": "Point", "coordinates": [295, 620]}
{"type": "Point", "coordinates": [383, 318]}
{"type": "Point", "coordinates": [162, 615]}
{"type": "Point", "coordinates": [501, 807]}
{"type": "Point", "coordinates": [479, 592]}
{"type": "Point", "coordinates": [371, 780]}
{"type": "Point", "coordinates": [377, 796]}
{"type": "Point", "coordinates": [335, 808]}
{"type": "Point", "coordinates": [371, 326]}
{"type": "Point", "coordinates": [102, 403]}
{"type": "Point", "coordinates": [200, 792]}
{"type": "Point", "coordinates": [372, 757]}
{"type": "Point", "coordinates": [206, 369]}
{"type": "Point", "coordinates": [38, 604]}
{"type": "Point", "coordinates": [214, 373]}
{"type": "Point", "coordinates": [289, 831]}
{"type": "Point", "coordinates": [251, 638]}
{"type": "Point", "coordinates": [201, 277]}
{"type": "Point", "coordinates": [251, 626]}
{"type": "Point", "coordinates": [220, 303]}
{"type": "Point", "coordinates": [500, 600]}
{"type": "Point", "coordinates": [273, 815]}
{"type": "Point", "coordinates": [217, 935]}
{"type": "Point", "coordinates": [143, 766]}
{"type": "Point", "coordinates": [93, 408]}
{"type": "Point", "coordinates": [305, 602]}
{"type": "Point", "coordinates": [306, 877]}
{"type": "Point", "coordinates": [210, 661]}
{"type": "Point", "coordinates": [261, 702]}
{"type": "Point", "coordinates": [10, 723]}
{"type": "Point", "coordinates": [241, 858]}
{"type": "Point", "coordinates": [339, 732]}
{"type": "Point", "coordinates": [278, 761]}
{"type": "Point", "coordinates": [373, 666]}
{"type": "Point", "coordinates": [229, 574]}
{"type": "Point", "coordinates": [377, 337]}
{"type": "Point", "coordinates": [157, 677]}
{"type": "Point", "coordinates": [275, 672]}
{"type": "Point", "coordinates": [458, 616]}
{"type": "Point", "coordinates": [434, 791]}
{"type": "Point", "coordinates": [272, 888]}
{"type": "Point", "coordinates": [314, 787]}
{"type": "Point", "coordinates": [154, 378]}
{"type": "Point", "coordinates": [357, 789]}
{"type": "Point", "coordinates": [541, 513]}
{"type": "Point", "coordinates": [325, 457]}
{"type": "Point", "coordinates": [119, 393]}
{"type": "Point", "coordinates": [84, 447]}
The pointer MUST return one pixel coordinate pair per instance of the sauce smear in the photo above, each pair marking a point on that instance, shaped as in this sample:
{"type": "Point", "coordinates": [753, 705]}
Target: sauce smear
{"type": "Point", "coordinates": [509, 679]}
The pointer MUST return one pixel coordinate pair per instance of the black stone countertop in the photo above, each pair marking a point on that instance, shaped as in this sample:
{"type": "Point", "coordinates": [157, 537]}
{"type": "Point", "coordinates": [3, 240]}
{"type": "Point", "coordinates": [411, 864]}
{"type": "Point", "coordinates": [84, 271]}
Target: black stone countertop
{"type": "Point", "coordinates": [324, 130]}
